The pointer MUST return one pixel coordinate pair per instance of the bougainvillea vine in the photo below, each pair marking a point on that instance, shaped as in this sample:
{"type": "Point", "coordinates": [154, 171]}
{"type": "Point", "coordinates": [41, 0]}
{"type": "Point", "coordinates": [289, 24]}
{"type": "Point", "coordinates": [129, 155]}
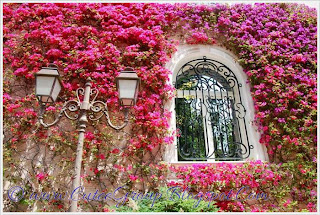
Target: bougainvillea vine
{"type": "Point", "coordinates": [274, 43]}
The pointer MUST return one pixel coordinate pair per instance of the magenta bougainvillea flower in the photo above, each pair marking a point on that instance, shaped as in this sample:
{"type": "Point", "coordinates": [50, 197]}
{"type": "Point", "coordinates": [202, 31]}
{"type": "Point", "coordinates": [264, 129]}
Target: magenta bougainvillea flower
{"type": "Point", "coordinates": [276, 44]}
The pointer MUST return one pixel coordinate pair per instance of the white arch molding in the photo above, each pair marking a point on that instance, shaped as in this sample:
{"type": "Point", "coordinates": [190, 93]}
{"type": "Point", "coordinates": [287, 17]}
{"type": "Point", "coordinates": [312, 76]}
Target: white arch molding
{"type": "Point", "coordinates": [186, 53]}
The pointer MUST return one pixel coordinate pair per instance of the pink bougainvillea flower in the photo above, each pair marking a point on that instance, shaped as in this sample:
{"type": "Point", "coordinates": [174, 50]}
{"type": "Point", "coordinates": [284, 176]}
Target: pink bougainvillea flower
{"type": "Point", "coordinates": [101, 156]}
{"type": "Point", "coordinates": [275, 44]}
{"type": "Point", "coordinates": [115, 151]}
{"type": "Point", "coordinates": [96, 171]}
{"type": "Point", "coordinates": [41, 176]}
{"type": "Point", "coordinates": [133, 177]}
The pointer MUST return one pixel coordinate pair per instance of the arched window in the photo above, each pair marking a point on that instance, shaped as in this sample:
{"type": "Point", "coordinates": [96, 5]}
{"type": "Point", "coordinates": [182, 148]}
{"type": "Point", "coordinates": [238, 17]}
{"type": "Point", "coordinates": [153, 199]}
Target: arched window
{"type": "Point", "coordinates": [213, 111]}
{"type": "Point", "coordinates": [209, 113]}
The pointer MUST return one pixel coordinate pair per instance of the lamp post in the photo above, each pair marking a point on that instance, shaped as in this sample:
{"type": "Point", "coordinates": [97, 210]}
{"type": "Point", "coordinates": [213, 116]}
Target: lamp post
{"type": "Point", "coordinates": [48, 87]}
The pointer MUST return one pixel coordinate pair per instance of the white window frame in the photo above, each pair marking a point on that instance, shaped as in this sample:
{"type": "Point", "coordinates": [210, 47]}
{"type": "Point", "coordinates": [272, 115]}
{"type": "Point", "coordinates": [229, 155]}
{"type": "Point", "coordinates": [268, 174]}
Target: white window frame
{"type": "Point", "coordinates": [186, 53]}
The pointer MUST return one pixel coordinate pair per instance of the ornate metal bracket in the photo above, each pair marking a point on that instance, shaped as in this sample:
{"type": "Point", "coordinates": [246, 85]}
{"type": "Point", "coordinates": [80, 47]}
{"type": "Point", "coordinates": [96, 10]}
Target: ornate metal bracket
{"type": "Point", "coordinates": [77, 109]}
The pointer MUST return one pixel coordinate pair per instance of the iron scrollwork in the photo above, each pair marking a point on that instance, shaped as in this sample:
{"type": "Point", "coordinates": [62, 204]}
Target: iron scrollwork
{"type": "Point", "coordinates": [209, 112]}
{"type": "Point", "coordinates": [72, 110]}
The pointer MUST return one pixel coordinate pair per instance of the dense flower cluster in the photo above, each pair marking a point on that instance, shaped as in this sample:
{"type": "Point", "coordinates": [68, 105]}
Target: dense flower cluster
{"type": "Point", "coordinates": [256, 177]}
{"type": "Point", "coordinates": [275, 44]}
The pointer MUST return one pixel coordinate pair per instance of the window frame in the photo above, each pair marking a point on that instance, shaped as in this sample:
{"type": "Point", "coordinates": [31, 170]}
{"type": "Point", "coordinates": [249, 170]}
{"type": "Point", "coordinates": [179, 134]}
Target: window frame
{"type": "Point", "coordinates": [186, 53]}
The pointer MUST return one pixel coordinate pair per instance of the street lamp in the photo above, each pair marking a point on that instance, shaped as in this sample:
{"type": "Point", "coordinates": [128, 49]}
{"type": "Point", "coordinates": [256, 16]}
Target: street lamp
{"type": "Point", "coordinates": [127, 81]}
{"type": "Point", "coordinates": [48, 87]}
{"type": "Point", "coordinates": [48, 84]}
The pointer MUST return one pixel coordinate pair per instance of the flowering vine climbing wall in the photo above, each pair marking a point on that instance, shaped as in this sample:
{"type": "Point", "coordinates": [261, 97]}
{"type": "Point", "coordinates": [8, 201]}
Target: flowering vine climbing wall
{"type": "Point", "coordinates": [275, 44]}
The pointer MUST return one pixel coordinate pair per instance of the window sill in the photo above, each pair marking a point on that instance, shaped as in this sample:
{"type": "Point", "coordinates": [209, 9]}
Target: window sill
{"type": "Point", "coordinates": [189, 163]}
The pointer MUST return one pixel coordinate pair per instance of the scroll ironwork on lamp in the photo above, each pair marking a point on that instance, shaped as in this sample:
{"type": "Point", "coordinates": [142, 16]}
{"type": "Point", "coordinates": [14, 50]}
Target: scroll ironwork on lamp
{"type": "Point", "coordinates": [48, 87]}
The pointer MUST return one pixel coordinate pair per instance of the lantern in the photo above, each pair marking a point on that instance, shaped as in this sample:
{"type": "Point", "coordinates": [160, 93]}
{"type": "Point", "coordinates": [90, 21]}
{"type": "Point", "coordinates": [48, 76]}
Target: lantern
{"type": "Point", "coordinates": [128, 85]}
{"type": "Point", "coordinates": [48, 85]}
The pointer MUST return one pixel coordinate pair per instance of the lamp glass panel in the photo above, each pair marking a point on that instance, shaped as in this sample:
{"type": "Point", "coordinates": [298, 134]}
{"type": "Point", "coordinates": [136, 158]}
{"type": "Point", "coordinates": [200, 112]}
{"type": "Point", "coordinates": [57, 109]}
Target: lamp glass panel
{"type": "Point", "coordinates": [127, 102]}
{"type": "Point", "coordinates": [45, 99]}
{"type": "Point", "coordinates": [44, 85]}
{"type": "Point", "coordinates": [56, 90]}
{"type": "Point", "coordinates": [127, 88]}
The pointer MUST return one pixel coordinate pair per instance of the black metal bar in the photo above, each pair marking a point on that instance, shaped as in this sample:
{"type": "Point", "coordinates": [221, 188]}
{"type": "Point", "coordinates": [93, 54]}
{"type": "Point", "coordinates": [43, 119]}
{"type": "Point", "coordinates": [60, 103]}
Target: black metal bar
{"type": "Point", "coordinates": [225, 127]}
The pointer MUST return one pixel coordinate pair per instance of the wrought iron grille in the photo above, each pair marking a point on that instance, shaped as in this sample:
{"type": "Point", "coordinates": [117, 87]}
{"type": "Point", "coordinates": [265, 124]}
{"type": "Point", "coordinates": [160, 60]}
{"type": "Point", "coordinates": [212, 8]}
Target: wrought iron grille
{"type": "Point", "coordinates": [210, 115]}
